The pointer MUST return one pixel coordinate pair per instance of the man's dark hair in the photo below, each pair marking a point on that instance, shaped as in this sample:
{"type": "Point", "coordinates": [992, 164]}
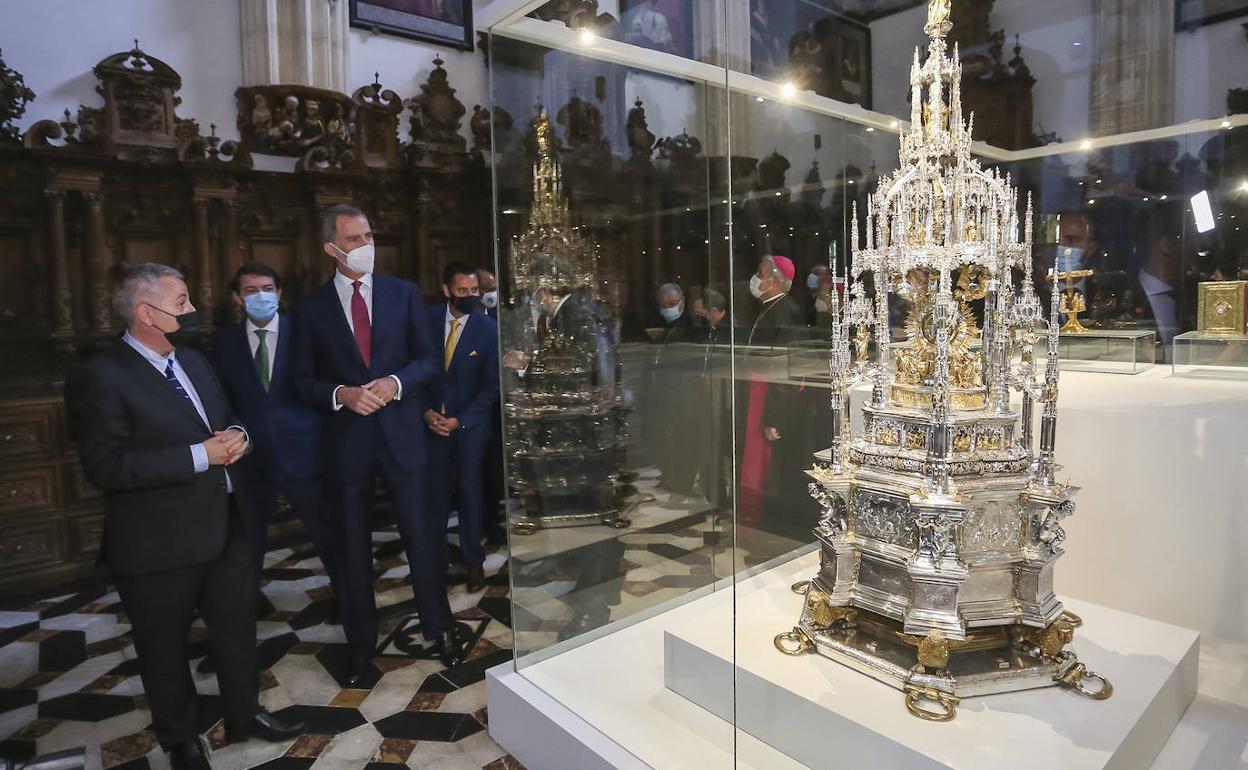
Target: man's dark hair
{"type": "Point", "coordinates": [454, 269]}
{"type": "Point", "coordinates": [329, 222]}
{"type": "Point", "coordinates": [254, 268]}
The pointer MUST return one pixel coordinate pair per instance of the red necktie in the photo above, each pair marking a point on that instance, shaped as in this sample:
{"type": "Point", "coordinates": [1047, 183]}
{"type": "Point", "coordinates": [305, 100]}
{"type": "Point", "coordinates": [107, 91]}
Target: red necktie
{"type": "Point", "coordinates": [359, 321]}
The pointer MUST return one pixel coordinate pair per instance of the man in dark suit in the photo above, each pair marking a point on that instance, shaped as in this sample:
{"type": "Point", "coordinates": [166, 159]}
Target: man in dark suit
{"type": "Point", "coordinates": [155, 435]}
{"type": "Point", "coordinates": [363, 355]}
{"type": "Point", "coordinates": [253, 360]}
{"type": "Point", "coordinates": [460, 403]}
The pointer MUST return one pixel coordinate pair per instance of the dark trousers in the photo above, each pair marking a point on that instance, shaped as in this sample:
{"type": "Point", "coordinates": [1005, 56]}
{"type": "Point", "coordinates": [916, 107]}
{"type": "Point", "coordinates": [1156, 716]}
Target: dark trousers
{"type": "Point", "coordinates": [492, 484]}
{"type": "Point", "coordinates": [161, 608]}
{"type": "Point", "coordinates": [260, 503]}
{"type": "Point", "coordinates": [352, 529]}
{"type": "Point", "coordinates": [455, 464]}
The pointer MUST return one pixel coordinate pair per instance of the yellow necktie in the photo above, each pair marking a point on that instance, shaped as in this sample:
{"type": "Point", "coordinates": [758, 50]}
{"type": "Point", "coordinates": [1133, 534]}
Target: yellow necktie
{"type": "Point", "coordinates": [451, 340]}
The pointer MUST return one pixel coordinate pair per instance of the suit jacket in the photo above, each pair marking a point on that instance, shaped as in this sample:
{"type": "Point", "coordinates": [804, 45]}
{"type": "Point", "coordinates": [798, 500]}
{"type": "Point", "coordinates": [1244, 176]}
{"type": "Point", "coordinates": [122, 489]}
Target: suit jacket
{"type": "Point", "coordinates": [326, 356]}
{"type": "Point", "coordinates": [283, 431]}
{"type": "Point", "coordinates": [134, 430]}
{"type": "Point", "coordinates": [469, 388]}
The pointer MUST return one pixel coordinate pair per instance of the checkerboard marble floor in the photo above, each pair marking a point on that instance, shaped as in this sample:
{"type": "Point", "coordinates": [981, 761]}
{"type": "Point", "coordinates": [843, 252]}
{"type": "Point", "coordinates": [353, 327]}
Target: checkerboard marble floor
{"type": "Point", "coordinates": [69, 678]}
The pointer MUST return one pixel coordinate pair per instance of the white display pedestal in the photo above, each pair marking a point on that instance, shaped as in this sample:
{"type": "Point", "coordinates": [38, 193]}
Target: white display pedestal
{"type": "Point", "coordinates": [828, 716]}
{"type": "Point", "coordinates": [604, 704]}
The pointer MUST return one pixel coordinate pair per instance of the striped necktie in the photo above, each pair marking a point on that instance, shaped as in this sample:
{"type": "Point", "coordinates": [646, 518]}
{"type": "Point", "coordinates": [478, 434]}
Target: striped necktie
{"type": "Point", "coordinates": [169, 375]}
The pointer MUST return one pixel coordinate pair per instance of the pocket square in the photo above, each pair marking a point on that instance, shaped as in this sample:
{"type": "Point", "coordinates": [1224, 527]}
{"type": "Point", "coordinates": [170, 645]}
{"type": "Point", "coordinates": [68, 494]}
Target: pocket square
{"type": "Point", "coordinates": [473, 353]}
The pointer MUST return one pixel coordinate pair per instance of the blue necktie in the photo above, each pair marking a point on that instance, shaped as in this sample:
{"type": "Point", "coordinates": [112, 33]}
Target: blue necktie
{"type": "Point", "coordinates": [169, 375]}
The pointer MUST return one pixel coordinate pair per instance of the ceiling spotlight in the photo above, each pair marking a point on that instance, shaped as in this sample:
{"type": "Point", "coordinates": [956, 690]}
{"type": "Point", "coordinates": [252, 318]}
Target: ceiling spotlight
{"type": "Point", "coordinates": [1091, 201]}
{"type": "Point", "coordinates": [1226, 124]}
{"type": "Point", "coordinates": [788, 90]}
{"type": "Point", "coordinates": [1163, 197]}
{"type": "Point", "coordinates": [870, 129]}
{"type": "Point", "coordinates": [587, 36]}
{"type": "Point", "coordinates": [1243, 186]}
{"type": "Point", "coordinates": [759, 99]}
{"type": "Point", "coordinates": [1086, 144]}
{"type": "Point", "coordinates": [895, 124]}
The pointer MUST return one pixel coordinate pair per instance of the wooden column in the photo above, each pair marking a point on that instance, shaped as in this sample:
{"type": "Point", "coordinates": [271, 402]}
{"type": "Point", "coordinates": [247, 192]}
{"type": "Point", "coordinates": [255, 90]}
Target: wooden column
{"type": "Point", "coordinates": [62, 300]}
{"type": "Point", "coordinates": [99, 295]}
{"type": "Point", "coordinates": [203, 263]}
{"type": "Point", "coordinates": [232, 257]}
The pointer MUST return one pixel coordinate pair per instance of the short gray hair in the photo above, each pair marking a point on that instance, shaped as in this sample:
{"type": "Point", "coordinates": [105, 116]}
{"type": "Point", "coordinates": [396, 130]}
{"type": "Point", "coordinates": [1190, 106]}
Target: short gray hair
{"type": "Point", "coordinates": [329, 222]}
{"type": "Point", "coordinates": [673, 287]}
{"type": "Point", "coordinates": [137, 282]}
{"type": "Point", "coordinates": [714, 300]}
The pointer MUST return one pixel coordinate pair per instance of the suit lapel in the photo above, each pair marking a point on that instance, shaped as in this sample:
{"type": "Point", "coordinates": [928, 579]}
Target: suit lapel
{"type": "Point", "coordinates": [384, 310]}
{"type": "Point", "coordinates": [339, 323]}
{"type": "Point", "coordinates": [463, 347]}
{"type": "Point", "coordinates": [159, 386]}
{"type": "Point", "coordinates": [244, 358]}
{"type": "Point", "coordinates": [205, 382]}
{"type": "Point", "coordinates": [280, 352]}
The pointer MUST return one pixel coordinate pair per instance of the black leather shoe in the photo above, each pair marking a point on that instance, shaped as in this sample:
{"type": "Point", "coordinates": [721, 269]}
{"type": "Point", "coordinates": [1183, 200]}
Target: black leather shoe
{"type": "Point", "coordinates": [361, 672]}
{"type": "Point", "coordinates": [450, 651]}
{"type": "Point", "coordinates": [476, 579]}
{"type": "Point", "coordinates": [189, 756]}
{"type": "Point", "coordinates": [267, 727]}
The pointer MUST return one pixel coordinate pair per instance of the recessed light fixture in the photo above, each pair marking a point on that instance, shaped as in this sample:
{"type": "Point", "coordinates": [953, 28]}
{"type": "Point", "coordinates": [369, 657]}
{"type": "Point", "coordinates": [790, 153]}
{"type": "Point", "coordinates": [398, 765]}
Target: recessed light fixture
{"type": "Point", "coordinates": [1086, 144]}
{"type": "Point", "coordinates": [1202, 212]}
{"type": "Point", "coordinates": [1163, 197]}
{"type": "Point", "coordinates": [1226, 124]}
{"type": "Point", "coordinates": [587, 36]}
{"type": "Point", "coordinates": [870, 129]}
{"type": "Point", "coordinates": [759, 99]}
{"type": "Point", "coordinates": [788, 90]}
{"type": "Point", "coordinates": [895, 124]}
{"type": "Point", "coordinates": [1091, 201]}
{"type": "Point", "coordinates": [1243, 186]}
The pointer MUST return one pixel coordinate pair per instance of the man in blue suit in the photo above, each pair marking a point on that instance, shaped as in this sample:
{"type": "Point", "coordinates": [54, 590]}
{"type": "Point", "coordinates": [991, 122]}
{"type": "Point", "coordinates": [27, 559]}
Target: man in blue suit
{"type": "Point", "coordinates": [253, 360]}
{"type": "Point", "coordinates": [363, 356]}
{"type": "Point", "coordinates": [460, 405]}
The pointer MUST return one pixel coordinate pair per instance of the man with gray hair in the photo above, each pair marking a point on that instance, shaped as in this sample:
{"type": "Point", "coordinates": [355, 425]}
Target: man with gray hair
{"type": "Point", "coordinates": [155, 435]}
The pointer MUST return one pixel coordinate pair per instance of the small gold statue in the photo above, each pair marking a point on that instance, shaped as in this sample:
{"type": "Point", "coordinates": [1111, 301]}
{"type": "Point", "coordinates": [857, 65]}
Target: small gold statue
{"type": "Point", "coordinates": [1072, 303]}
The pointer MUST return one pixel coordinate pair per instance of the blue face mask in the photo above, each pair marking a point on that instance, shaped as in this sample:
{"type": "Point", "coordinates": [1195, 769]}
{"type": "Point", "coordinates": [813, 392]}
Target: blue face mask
{"type": "Point", "coordinates": [812, 282]}
{"type": "Point", "coordinates": [261, 306]}
{"type": "Point", "coordinates": [671, 314]}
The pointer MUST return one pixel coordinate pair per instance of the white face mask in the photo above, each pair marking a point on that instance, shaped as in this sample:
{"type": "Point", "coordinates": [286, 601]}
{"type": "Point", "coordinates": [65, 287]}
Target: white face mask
{"type": "Point", "coordinates": [358, 260]}
{"type": "Point", "coordinates": [756, 286]}
{"type": "Point", "coordinates": [1069, 258]}
{"type": "Point", "coordinates": [490, 299]}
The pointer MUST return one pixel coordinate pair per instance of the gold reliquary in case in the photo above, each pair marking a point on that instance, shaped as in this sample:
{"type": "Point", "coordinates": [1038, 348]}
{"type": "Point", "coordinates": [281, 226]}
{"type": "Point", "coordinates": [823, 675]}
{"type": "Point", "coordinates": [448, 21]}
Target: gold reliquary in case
{"type": "Point", "coordinates": [1221, 307]}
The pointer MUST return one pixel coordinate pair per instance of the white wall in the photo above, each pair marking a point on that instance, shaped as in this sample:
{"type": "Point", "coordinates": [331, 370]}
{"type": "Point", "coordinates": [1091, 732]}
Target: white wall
{"type": "Point", "coordinates": [1209, 61]}
{"type": "Point", "coordinates": [55, 43]}
{"type": "Point", "coordinates": [404, 64]}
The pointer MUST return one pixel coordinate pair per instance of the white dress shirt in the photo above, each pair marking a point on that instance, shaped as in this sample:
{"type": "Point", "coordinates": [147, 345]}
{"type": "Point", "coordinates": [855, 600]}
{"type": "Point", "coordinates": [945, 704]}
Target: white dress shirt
{"type": "Point", "coordinates": [270, 339]}
{"type": "Point", "coordinates": [199, 453]}
{"type": "Point", "coordinates": [343, 285]}
{"type": "Point", "coordinates": [446, 327]}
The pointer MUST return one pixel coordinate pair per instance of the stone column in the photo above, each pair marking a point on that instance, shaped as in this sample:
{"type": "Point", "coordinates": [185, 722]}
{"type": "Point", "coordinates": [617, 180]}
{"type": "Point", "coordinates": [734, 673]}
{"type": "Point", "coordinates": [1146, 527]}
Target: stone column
{"type": "Point", "coordinates": [62, 299]}
{"type": "Point", "coordinates": [99, 297]}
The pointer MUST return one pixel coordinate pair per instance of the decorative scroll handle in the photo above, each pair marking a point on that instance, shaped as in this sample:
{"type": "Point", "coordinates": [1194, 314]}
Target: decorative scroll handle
{"type": "Point", "coordinates": [918, 697]}
{"type": "Point", "coordinates": [794, 642]}
{"type": "Point", "coordinates": [1076, 677]}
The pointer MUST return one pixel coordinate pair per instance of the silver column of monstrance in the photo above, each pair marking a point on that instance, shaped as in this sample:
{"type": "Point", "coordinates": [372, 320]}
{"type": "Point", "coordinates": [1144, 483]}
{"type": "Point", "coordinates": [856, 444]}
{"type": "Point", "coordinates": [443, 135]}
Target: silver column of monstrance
{"type": "Point", "coordinates": [940, 527]}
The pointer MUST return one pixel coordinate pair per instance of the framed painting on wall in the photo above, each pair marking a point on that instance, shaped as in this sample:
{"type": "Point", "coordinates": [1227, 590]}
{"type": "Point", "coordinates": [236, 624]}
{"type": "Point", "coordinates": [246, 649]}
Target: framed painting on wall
{"type": "Point", "coordinates": [448, 22]}
{"type": "Point", "coordinates": [1190, 14]}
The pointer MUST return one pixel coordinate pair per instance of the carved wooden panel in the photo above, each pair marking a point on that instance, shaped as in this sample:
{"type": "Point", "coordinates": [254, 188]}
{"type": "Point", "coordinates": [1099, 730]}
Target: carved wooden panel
{"type": "Point", "coordinates": [88, 533]}
{"type": "Point", "coordinates": [77, 488]}
{"type": "Point", "coordinates": [32, 489]}
{"type": "Point", "coordinates": [30, 544]}
{"type": "Point", "coordinates": [27, 433]}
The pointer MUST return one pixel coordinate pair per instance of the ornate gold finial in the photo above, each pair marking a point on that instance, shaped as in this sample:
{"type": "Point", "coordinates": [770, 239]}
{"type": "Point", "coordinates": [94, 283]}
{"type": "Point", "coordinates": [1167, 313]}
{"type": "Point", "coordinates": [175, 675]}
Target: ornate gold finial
{"type": "Point", "coordinates": [545, 143]}
{"type": "Point", "coordinates": [938, 24]}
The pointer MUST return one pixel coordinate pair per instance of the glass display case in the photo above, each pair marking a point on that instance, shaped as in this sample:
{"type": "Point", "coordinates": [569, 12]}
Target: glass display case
{"type": "Point", "coordinates": [681, 192]}
{"type": "Point", "coordinates": [1211, 356]}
